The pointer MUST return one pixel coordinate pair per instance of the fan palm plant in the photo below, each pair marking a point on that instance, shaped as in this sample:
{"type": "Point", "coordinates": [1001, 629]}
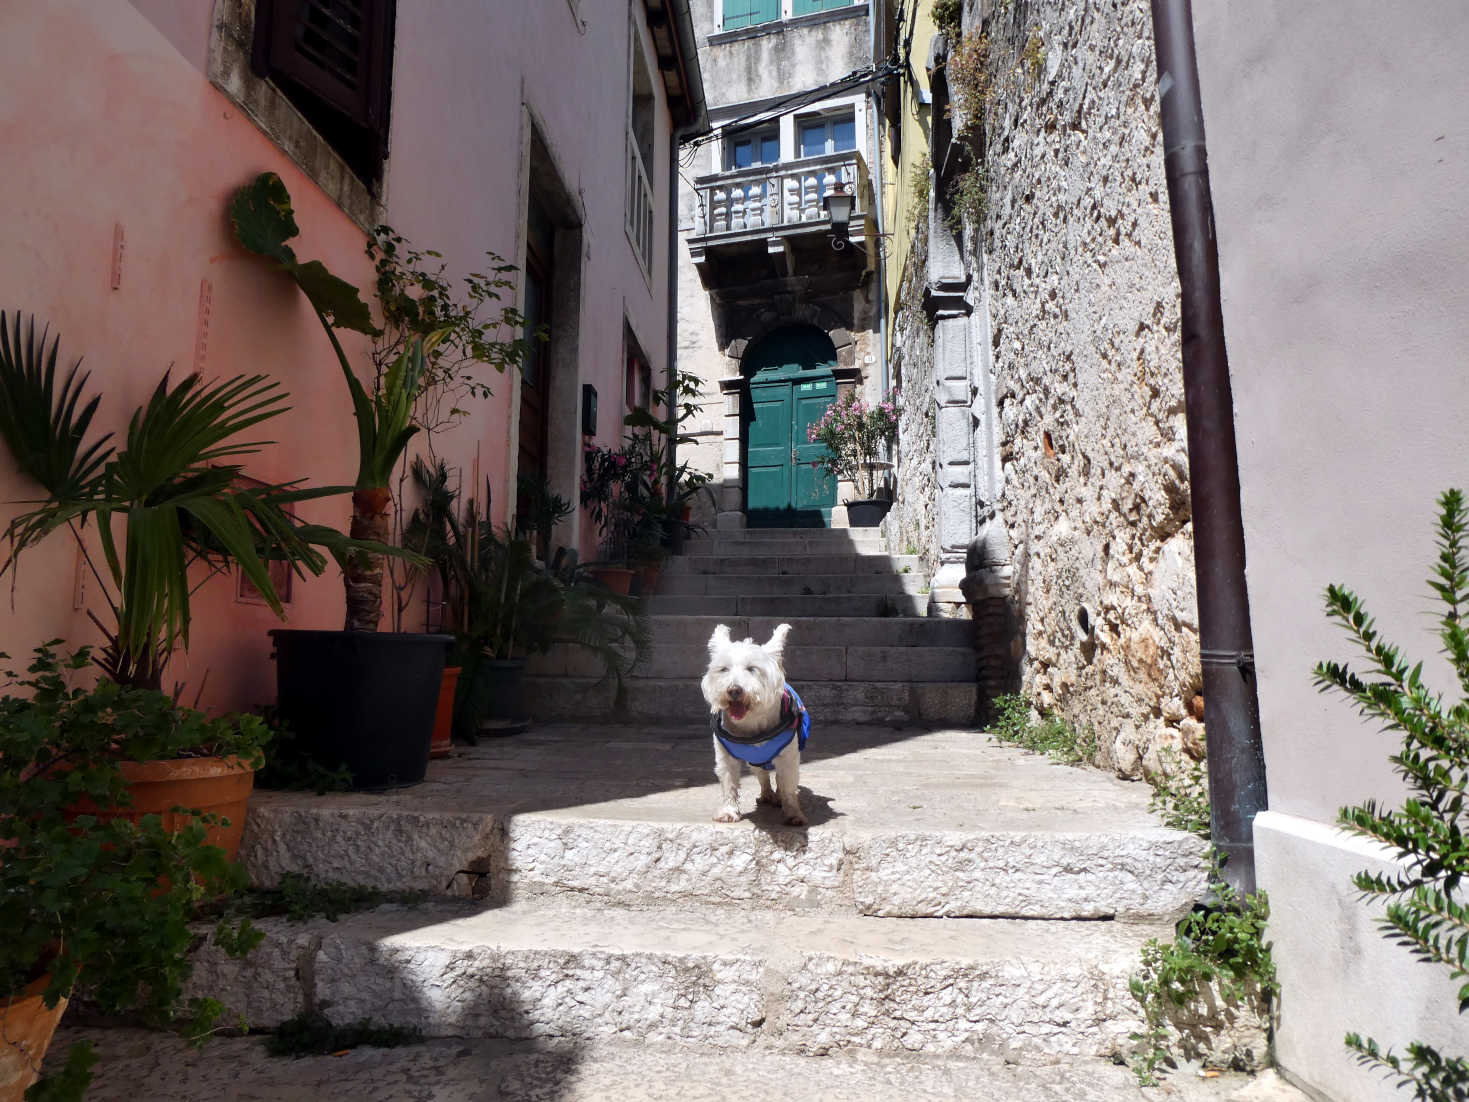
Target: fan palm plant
{"type": "Point", "coordinates": [173, 487]}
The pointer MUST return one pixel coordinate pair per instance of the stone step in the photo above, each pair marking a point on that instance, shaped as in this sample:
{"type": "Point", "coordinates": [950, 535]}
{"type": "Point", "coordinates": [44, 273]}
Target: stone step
{"type": "Point", "coordinates": [803, 663]}
{"type": "Point", "coordinates": [847, 562]}
{"type": "Point", "coordinates": [880, 631]}
{"type": "Point", "coordinates": [559, 699]}
{"type": "Point", "coordinates": [723, 977]}
{"type": "Point", "coordinates": [829, 535]}
{"type": "Point", "coordinates": [791, 585]}
{"type": "Point", "coordinates": [902, 823]}
{"type": "Point", "coordinates": [496, 1070]}
{"type": "Point", "coordinates": [762, 544]}
{"type": "Point", "coordinates": [839, 605]}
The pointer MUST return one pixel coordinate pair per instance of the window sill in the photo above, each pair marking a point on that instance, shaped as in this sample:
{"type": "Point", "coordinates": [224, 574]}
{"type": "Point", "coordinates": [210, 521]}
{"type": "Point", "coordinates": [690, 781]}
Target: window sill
{"type": "Point", "coordinates": [277, 117]}
{"type": "Point", "coordinates": [779, 26]}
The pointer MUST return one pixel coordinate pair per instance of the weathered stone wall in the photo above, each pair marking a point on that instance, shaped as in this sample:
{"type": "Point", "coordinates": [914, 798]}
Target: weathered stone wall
{"type": "Point", "coordinates": [1085, 334]}
{"type": "Point", "coordinates": [910, 524]}
{"type": "Point", "coordinates": [1081, 295]}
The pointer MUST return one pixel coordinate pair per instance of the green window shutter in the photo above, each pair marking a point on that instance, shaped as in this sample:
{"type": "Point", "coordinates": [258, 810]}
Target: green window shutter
{"type": "Point", "coordinates": [746, 13]}
{"type": "Point", "coordinates": [806, 7]}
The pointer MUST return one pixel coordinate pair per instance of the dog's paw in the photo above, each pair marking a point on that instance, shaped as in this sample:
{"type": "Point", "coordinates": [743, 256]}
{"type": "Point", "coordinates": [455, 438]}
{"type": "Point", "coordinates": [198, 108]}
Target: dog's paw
{"type": "Point", "coordinates": [795, 819]}
{"type": "Point", "coordinates": [727, 815]}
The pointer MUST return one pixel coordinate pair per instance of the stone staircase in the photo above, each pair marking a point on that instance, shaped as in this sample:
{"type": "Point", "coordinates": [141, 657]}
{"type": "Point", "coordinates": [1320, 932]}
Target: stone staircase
{"type": "Point", "coordinates": [861, 649]}
{"type": "Point", "coordinates": [956, 911]}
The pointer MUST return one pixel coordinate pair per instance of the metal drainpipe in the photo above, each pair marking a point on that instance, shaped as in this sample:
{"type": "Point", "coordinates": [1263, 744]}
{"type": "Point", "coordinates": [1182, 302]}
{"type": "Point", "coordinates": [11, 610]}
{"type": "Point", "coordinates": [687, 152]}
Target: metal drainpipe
{"type": "Point", "coordinates": [1232, 715]}
{"type": "Point", "coordinates": [873, 106]}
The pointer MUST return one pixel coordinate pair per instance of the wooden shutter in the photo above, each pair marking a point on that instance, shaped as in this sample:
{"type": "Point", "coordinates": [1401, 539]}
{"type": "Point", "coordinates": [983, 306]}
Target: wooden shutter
{"type": "Point", "coordinates": [334, 55]}
{"type": "Point", "coordinates": [745, 13]}
{"type": "Point", "coordinates": [806, 7]}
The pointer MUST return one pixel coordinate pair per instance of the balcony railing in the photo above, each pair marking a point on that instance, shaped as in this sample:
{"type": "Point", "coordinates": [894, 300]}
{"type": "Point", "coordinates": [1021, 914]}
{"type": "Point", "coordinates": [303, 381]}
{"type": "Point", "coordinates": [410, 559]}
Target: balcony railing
{"type": "Point", "coordinates": [639, 206]}
{"type": "Point", "coordinates": [788, 194]}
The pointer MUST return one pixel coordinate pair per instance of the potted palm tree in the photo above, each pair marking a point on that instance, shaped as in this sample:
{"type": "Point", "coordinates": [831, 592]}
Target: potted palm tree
{"type": "Point", "coordinates": [167, 503]}
{"type": "Point", "coordinates": [357, 697]}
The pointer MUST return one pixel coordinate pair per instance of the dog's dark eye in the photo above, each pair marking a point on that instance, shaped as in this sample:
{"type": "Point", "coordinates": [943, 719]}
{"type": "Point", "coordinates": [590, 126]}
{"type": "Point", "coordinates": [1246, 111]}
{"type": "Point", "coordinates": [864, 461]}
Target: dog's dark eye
{"type": "Point", "coordinates": [749, 669]}
{"type": "Point", "coordinates": [722, 669]}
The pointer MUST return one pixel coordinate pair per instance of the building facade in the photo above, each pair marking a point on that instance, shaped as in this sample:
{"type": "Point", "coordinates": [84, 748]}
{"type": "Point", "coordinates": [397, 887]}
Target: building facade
{"type": "Point", "coordinates": [779, 304]}
{"type": "Point", "coordinates": [456, 126]}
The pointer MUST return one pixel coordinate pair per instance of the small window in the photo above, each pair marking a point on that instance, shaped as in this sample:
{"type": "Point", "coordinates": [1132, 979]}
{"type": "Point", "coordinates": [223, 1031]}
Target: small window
{"type": "Point", "coordinates": [826, 134]}
{"type": "Point", "coordinates": [333, 60]}
{"type": "Point", "coordinates": [760, 147]}
{"type": "Point", "coordinates": [806, 7]}
{"type": "Point", "coordinates": [746, 13]}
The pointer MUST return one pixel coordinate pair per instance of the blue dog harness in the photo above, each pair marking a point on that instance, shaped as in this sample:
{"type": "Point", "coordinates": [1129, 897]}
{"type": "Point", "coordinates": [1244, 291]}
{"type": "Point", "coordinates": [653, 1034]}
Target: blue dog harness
{"type": "Point", "coordinates": [761, 750]}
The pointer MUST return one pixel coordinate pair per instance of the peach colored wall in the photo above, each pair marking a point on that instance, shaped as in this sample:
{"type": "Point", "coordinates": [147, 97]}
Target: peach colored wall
{"type": "Point", "coordinates": [130, 131]}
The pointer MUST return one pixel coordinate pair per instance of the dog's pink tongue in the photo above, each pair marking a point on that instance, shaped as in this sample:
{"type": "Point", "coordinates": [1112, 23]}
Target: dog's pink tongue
{"type": "Point", "coordinates": [737, 711]}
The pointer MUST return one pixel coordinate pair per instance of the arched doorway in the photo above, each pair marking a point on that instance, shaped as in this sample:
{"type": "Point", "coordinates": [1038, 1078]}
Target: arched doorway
{"type": "Point", "coordinates": [789, 372]}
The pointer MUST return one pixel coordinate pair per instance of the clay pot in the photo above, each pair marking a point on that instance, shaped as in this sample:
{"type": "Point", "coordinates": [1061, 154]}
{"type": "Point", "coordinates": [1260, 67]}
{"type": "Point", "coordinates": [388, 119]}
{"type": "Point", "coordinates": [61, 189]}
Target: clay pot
{"type": "Point", "coordinates": [648, 579]}
{"type": "Point", "coordinates": [26, 1027]}
{"type": "Point", "coordinates": [443, 741]}
{"type": "Point", "coordinates": [218, 785]}
{"type": "Point", "coordinates": [616, 578]}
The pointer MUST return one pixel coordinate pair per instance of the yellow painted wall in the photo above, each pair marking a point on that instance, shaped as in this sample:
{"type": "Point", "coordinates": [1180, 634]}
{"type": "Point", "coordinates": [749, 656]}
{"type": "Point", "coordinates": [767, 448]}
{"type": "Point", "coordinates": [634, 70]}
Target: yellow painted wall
{"type": "Point", "coordinates": [900, 202]}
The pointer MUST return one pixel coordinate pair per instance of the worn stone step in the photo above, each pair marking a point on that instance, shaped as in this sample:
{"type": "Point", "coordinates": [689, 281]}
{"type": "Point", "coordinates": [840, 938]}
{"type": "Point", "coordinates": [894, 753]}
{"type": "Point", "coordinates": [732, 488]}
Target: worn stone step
{"type": "Point", "coordinates": [845, 562]}
{"type": "Point", "coordinates": [725, 977]}
{"type": "Point", "coordinates": [664, 700]}
{"type": "Point", "coordinates": [851, 604]}
{"type": "Point", "coordinates": [902, 823]}
{"type": "Point", "coordinates": [830, 535]}
{"type": "Point", "coordinates": [876, 631]}
{"type": "Point", "coordinates": [761, 543]}
{"type": "Point", "coordinates": [804, 662]}
{"type": "Point", "coordinates": [790, 585]}
{"type": "Point", "coordinates": [497, 1070]}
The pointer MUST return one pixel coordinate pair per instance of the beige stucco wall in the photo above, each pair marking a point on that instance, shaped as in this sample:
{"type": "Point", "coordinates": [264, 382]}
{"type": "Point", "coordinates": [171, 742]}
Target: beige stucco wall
{"type": "Point", "coordinates": [130, 132]}
{"type": "Point", "coordinates": [1339, 162]}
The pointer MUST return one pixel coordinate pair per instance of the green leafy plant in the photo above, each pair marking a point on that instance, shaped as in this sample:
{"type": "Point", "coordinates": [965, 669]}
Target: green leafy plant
{"type": "Point", "coordinates": [174, 484]}
{"type": "Point", "coordinates": [969, 197]}
{"type": "Point", "coordinates": [946, 16]}
{"type": "Point", "coordinates": [967, 70]}
{"type": "Point", "coordinates": [1219, 945]}
{"type": "Point", "coordinates": [312, 1033]}
{"type": "Point", "coordinates": [1181, 796]}
{"type": "Point", "coordinates": [298, 898]}
{"type": "Point", "coordinates": [1017, 722]}
{"type": "Point", "coordinates": [1425, 910]}
{"type": "Point", "coordinates": [1033, 55]}
{"type": "Point", "coordinates": [920, 187]}
{"type": "Point", "coordinates": [264, 222]}
{"type": "Point", "coordinates": [856, 436]}
{"type": "Point", "coordinates": [97, 903]}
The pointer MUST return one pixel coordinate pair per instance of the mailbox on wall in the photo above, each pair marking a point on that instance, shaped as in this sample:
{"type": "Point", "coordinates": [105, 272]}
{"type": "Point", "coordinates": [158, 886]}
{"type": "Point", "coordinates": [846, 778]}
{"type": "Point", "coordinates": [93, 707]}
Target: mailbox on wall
{"type": "Point", "coordinates": [588, 410]}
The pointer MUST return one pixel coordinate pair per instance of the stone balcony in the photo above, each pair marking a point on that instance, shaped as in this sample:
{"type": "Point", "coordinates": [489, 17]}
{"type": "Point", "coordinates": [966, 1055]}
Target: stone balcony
{"type": "Point", "coordinates": [768, 222]}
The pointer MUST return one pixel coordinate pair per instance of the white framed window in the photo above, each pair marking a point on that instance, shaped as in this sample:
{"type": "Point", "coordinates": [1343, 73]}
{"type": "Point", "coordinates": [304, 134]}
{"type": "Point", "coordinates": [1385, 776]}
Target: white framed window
{"type": "Point", "coordinates": [640, 143]}
{"type": "Point", "coordinates": [731, 15]}
{"type": "Point", "coordinates": [752, 147]}
{"type": "Point", "coordinates": [833, 132]}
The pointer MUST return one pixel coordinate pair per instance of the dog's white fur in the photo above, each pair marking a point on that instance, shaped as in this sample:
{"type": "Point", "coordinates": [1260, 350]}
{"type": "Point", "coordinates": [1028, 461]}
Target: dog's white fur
{"type": "Point", "coordinates": [749, 677]}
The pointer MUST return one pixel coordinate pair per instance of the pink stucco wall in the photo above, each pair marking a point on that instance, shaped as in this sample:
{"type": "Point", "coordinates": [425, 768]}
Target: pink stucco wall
{"type": "Point", "coordinates": [129, 132]}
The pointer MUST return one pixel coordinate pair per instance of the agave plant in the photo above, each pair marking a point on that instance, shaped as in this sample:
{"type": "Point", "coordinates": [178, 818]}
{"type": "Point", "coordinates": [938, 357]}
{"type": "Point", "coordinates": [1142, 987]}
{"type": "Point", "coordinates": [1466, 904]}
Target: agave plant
{"type": "Point", "coordinates": [173, 488]}
{"type": "Point", "coordinates": [264, 222]}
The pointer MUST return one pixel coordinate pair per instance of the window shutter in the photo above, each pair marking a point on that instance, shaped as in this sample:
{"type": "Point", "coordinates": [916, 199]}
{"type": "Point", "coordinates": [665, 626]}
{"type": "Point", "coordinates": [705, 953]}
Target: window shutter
{"type": "Point", "coordinates": [806, 7]}
{"type": "Point", "coordinates": [334, 55]}
{"type": "Point", "coordinates": [745, 13]}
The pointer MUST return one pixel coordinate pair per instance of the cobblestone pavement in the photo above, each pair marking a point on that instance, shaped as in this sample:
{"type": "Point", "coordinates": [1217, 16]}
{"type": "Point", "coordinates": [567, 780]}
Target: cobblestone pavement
{"type": "Point", "coordinates": [139, 1066]}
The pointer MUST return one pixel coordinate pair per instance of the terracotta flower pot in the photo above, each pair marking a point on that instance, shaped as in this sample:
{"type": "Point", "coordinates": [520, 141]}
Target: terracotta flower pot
{"type": "Point", "coordinates": [616, 578]}
{"type": "Point", "coordinates": [443, 742]}
{"type": "Point", "coordinates": [218, 785]}
{"type": "Point", "coordinates": [26, 1027]}
{"type": "Point", "coordinates": [648, 578]}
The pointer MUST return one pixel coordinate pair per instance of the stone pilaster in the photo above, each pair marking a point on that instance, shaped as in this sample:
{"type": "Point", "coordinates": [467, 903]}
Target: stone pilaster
{"type": "Point", "coordinates": [730, 509]}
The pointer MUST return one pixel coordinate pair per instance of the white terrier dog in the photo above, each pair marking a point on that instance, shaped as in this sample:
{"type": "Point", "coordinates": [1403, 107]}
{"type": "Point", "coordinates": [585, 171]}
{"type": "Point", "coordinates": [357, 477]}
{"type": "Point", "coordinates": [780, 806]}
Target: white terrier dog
{"type": "Point", "coordinates": [756, 720]}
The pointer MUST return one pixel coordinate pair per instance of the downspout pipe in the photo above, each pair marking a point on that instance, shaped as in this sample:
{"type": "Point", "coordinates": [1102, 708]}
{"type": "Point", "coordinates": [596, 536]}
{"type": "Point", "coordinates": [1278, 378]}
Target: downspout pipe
{"type": "Point", "coordinates": [1232, 712]}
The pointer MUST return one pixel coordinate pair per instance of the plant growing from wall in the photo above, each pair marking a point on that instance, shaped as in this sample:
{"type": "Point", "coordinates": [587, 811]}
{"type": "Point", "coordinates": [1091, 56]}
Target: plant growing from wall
{"type": "Point", "coordinates": [1222, 944]}
{"type": "Point", "coordinates": [920, 188]}
{"type": "Point", "coordinates": [969, 197]}
{"type": "Point", "coordinates": [947, 15]}
{"type": "Point", "coordinates": [967, 70]}
{"type": "Point", "coordinates": [1018, 722]}
{"type": "Point", "coordinates": [1033, 55]}
{"type": "Point", "coordinates": [1426, 911]}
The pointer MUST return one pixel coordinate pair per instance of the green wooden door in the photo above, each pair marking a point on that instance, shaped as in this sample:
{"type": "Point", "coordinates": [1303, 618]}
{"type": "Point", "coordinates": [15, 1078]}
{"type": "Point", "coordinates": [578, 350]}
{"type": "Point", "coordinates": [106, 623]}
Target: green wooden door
{"type": "Point", "coordinates": [791, 387]}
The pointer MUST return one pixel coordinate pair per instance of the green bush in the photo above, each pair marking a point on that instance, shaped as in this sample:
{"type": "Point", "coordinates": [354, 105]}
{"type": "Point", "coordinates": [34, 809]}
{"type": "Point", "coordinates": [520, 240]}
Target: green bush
{"type": "Point", "coordinates": [1425, 910]}
{"type": "Point", "coordinates": [1017, 723]}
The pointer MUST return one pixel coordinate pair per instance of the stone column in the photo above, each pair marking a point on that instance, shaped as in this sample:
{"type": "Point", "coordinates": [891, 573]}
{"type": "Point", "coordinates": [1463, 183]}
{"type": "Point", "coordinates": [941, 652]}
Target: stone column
{"type": "Point", "coordinates": [946, 300]}
{"type": "Point", "coordinates": [730, 510]}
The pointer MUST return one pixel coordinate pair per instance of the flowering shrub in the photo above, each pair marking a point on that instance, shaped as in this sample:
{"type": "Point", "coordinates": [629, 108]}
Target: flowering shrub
{"type": "Point", "coordinates": [621, 489]}
{"type": "Point", "coordinates": [855, 435]}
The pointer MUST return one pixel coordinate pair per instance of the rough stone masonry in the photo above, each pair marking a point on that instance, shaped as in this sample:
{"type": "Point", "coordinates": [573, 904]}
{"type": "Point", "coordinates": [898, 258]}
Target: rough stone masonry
{"type": "Point", "coordinates": [1076, 325]}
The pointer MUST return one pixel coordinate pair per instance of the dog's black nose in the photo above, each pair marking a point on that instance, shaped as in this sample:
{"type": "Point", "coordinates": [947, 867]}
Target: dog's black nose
{"type": "Point", "coordinates": [735, 692]}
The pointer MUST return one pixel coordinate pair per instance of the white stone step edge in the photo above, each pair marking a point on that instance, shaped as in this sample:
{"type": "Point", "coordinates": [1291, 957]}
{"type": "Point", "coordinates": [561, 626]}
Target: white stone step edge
{"type": "Point", "coordinates": [1028, 874]}
{"type": "Point", "coordinates": [723, 977]}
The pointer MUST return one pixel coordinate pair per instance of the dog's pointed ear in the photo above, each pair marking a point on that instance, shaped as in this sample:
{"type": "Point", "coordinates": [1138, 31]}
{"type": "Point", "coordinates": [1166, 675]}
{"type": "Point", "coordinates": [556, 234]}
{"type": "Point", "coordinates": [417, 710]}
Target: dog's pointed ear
{"type": "Point", "coordinates": [719, 640]}
{"type": "Point", "coordinates": [777, 644]}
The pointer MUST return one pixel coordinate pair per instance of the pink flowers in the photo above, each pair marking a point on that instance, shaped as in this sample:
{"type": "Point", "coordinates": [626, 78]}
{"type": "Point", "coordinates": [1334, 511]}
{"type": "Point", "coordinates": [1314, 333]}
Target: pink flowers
{"type": "Point", "coordinates": [856, 435]}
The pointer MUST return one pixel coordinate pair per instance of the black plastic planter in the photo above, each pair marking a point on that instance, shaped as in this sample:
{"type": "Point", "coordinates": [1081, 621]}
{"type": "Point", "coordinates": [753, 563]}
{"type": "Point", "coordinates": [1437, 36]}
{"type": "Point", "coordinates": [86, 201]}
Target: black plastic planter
{"type": "Point", "coordinates": [362, 699]}
{"type": "Point", "coordinates": [868, 513]}
{"type": "Point", "coordinates": [491, 699]}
